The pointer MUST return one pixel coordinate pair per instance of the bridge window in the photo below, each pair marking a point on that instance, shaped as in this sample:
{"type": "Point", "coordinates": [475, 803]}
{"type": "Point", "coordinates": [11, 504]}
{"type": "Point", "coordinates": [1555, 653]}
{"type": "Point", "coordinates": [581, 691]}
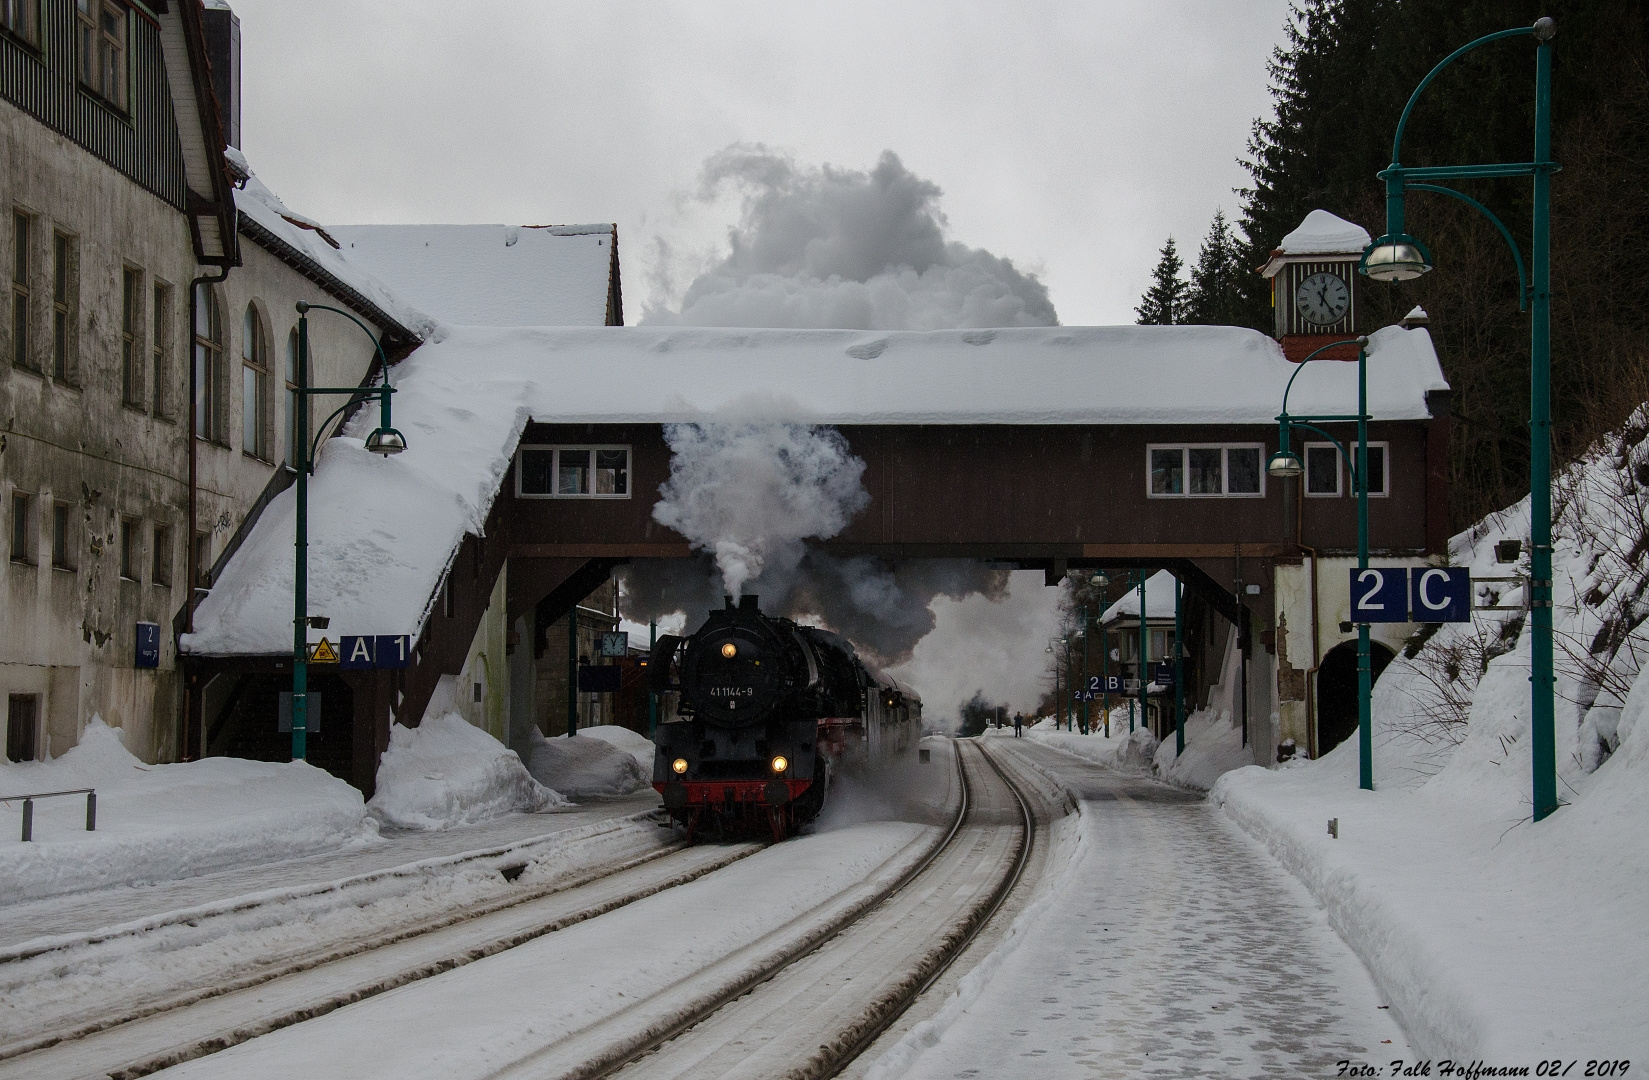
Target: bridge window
{"type": "Point", "coordinates": [573, 472]}
{"type": "Point", "coordinates": [1206, 470]}
{"type": "Point", "coordinates": [1324, 469]}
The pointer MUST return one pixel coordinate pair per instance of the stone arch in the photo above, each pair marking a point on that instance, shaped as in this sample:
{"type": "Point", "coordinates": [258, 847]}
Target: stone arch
{"type": "Point", "coordinates": [1337, 691]}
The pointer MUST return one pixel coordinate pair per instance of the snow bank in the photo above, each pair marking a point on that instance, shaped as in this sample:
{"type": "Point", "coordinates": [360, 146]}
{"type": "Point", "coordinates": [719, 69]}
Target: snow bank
{"type": "Point", "coordinates": [588, 767]}
{"type": "Point", "coordinates": [1213, 747]}
{"type": "Point", "coordinates": [447, 772]}
{"type": "Point", "coordinates": [633, 743]}
{"type": "Point", "coordinates": [1125, 751]}
{"type": "Point", "coordinates": [382, 531]}
{"type": "Point", "coordinates": [1495, 937]}
{"type": "Point", "coordinates": [159, 822]}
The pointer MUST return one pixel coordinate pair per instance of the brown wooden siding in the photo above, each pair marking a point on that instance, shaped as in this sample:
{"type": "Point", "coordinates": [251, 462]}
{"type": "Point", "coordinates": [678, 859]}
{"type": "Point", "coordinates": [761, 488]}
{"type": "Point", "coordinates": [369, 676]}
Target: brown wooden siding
{"type": "Point", "coordinates": [143, 145]}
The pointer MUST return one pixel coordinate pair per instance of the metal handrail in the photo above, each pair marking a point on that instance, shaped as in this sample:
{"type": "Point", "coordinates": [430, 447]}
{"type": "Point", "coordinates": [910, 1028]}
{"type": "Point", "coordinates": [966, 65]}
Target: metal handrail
{"type": "Point", "coordinates": [28, 808]}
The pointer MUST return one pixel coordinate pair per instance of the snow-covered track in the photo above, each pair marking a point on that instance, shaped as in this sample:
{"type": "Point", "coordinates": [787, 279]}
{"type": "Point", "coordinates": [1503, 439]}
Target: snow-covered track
{"type": "Point", "coordinates": [203, 1021]}
{"type": "Point", "coordinates": [825, 995]}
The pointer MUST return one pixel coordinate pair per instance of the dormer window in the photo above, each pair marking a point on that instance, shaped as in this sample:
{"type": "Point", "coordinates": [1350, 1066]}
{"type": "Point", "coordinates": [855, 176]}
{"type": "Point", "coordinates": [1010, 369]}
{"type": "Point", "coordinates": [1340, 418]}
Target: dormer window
{"type": "Point", "coordinates": [100, 49]}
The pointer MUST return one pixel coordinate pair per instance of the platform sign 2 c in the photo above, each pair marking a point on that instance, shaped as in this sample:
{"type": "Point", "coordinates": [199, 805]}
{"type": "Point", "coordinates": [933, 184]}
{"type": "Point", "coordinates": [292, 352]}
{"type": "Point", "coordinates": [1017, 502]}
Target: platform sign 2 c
{"type": "Point", "coordinates": [1379, 594]}
{"type": "Point", "coordinates": [1440, 594]}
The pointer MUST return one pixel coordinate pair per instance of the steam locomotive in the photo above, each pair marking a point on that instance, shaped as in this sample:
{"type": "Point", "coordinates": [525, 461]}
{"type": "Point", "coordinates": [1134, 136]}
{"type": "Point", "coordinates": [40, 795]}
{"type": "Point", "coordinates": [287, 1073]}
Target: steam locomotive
{"type": "Point", "coordinates": [767, 711]}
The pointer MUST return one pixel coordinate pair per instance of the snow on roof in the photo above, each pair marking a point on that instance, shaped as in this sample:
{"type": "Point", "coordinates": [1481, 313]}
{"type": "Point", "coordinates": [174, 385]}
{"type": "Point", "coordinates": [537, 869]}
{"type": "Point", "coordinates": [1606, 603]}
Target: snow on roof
{"type": "Point", "coordinates": [309, 239]}
{"type": "Point", "coordinates": [381, 531]}
{"type": "Point", "coordinates": [1324, 233]}
{"type": "Point", "coordinates": [492, 275]}
{"type": "Point", "coordinates": [1159, 600]}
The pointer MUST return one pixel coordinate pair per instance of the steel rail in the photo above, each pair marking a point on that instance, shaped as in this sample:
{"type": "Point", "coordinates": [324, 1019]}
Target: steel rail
{"type": "Point", "coordinates": [623, 1053]}
{"type": "Point", "coordinates": [980, 918]}
{"type": "Point", "coordinates": [243, 1033]}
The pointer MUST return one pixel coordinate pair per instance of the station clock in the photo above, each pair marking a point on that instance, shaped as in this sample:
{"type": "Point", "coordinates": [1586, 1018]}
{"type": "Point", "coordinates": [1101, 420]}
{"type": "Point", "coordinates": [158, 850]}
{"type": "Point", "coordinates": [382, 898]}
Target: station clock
{"type": "Point", "coordinates": [1322, 298]}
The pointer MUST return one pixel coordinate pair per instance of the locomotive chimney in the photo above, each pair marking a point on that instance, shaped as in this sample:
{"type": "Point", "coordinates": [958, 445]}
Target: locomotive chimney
{"type": "Point", "coordinates": [728, 601]}
{"type": "Point", "coordinates": [747, 602]}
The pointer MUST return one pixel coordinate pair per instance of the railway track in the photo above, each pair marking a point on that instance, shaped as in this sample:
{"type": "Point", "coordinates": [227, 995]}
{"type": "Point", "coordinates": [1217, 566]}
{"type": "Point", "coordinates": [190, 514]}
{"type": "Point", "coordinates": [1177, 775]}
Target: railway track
{"type": "Point", "coordinates": [824, 1006]}
{"type": "Point", "coordinates": [855, 959]}
{"type": "Point", "coordinates": [145, 1035]}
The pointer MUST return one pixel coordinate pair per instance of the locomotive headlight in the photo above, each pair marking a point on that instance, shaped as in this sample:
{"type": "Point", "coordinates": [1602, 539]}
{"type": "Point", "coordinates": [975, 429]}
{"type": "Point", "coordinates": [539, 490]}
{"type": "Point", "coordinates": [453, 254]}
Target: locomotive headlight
{"type": "Point", "coordinates": [678, 766]}
{"type": "Point", "coordinates": [730, 650]}
{"type": "Point", "coordinates": [781, 763]}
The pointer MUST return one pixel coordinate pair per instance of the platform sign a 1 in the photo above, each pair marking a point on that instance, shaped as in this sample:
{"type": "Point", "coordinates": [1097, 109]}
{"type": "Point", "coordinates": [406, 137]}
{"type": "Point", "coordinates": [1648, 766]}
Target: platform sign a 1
{"type": "Point", "coordinates": [1441, 594]}
{"type": "Point", "coordinates": [356, 651]}
{"type": "Point", "coordinates": [362, 651]}
{"type": "Point", "coordinates": [1379, 594]}
{"type": "Point", "coordinates": [393, 651]}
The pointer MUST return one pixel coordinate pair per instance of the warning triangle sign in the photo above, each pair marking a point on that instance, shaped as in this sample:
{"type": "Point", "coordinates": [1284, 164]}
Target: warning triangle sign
{"type": "Point", "coordinates": [322, 652]}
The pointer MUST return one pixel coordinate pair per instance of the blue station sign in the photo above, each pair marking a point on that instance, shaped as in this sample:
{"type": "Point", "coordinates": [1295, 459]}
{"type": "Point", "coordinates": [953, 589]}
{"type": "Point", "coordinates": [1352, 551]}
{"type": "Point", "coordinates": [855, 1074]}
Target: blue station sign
{"type": "Point", "coordinates": [1421, 594]}
{"type": "Point", "coordinates": [1441, 594]}
{"type": "Point", "coordinates": [360, 651]}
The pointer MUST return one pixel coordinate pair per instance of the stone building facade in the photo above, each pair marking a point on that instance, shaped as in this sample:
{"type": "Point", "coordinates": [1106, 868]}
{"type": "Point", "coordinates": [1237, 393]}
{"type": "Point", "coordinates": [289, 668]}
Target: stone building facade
{"type": "Point", "coordinates": [150, 299]}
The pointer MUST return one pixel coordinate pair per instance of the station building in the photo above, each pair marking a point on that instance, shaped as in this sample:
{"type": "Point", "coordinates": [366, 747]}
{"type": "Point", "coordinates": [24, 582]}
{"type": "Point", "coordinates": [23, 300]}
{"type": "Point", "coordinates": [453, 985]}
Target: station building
{"type": "Point", "coordinates": [1064, 448]}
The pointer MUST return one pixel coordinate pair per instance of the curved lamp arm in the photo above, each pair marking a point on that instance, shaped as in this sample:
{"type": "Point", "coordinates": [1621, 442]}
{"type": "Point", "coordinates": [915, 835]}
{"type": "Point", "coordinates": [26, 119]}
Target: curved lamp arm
{"type": "Point", "coordinates": [1517, 256]}
{"type": "Point", "coordinates": [1338, 445]}
{"type": "Point", "coordinates": [1397, 140]}
{"type": "Point", "coordinates": [1360, 342]}
{"type": "Point", "coordinates": [304, 307]}
{"type": "Point", "coordinates": [320, 430]}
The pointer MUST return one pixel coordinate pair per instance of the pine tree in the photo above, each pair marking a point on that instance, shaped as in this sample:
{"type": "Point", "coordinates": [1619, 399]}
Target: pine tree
{"type": "Point", "coordinates": [1164, 302]}
{"type": "Point", "coordinates": [1214, 298]}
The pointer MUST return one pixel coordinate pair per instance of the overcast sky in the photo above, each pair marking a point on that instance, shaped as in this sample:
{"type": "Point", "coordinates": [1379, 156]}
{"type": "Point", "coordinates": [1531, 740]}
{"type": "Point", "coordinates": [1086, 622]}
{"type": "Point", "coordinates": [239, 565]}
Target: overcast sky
{"type": "Point", "coordinates": [1070, 138]}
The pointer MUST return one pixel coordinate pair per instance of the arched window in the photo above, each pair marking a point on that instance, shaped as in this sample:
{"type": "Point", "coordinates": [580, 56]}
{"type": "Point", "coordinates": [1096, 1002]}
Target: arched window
{"type": "Point", "coordinates": [211, 380]}
{"type": "Point", "coordinates": [254, 399]}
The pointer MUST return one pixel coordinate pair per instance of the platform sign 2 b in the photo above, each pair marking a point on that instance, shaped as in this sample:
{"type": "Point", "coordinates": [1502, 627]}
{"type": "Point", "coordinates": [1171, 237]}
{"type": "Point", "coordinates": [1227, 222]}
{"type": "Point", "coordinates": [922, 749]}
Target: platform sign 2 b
{"type": "Point", "coordinates": [1379, 594]}
{"type": "Point", "coordinates": [1104, 684]}
{"type": "Point", "coordinates": [1440, 594]}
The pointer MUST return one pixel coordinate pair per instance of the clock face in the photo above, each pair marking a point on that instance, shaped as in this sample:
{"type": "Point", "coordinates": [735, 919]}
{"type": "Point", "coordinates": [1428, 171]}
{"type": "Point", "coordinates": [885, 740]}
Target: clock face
{"type": "Point", "coordinates": [1322, 299]}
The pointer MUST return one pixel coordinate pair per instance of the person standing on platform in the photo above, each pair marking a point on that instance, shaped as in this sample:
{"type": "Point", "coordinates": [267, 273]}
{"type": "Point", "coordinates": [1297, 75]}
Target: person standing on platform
{"type": "Point", "coordinates": [1018, 722]}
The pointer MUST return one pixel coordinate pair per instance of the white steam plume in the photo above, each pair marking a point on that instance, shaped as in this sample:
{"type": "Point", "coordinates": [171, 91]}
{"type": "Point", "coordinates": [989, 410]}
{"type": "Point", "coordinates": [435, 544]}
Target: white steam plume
{"type": "Point", "coordinates": [823, 247]}
{"type": "Point", "coordinates": [749, 493]}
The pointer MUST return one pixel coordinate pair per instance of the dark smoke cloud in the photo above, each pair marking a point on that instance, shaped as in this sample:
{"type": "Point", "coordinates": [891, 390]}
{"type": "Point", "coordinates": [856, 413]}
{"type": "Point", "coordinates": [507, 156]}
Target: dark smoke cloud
{"type": "Point", "coordinates": [823, 247]}
{"type": "Point", "coordinates": [883, 608]}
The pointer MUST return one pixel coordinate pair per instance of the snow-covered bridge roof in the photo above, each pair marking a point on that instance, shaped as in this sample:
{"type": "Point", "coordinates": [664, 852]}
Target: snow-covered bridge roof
{"type": "Point", "coordinates": [382, 531]}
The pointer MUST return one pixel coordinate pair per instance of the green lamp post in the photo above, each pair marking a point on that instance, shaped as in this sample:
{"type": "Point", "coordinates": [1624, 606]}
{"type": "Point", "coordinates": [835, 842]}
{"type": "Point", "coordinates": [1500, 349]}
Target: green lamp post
{"type": "Point", "coordinates": [1144, 654]}
{"type": "Point", "coordinates": [384, 440]}
{"type": "Point", "coordinates": [1397, 256]}
{"type": "Point", "coordinates": [1179, 670]}
{"type": "Point", "coordinates": [1285, 464]}
{"type": "Point", "coordinates": [1101, 582]}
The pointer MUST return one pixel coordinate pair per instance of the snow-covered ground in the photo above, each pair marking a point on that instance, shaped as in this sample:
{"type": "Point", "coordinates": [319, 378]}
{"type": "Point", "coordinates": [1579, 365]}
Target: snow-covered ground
{"type": "Point", "coordinates": [531, 1001]}
{"type": "Point", "coordinates": [1161, 942]}
{"type": "Point", "coordinates": [1493, 936]}
{"type": "Point", "coordinates": [156, 822]}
